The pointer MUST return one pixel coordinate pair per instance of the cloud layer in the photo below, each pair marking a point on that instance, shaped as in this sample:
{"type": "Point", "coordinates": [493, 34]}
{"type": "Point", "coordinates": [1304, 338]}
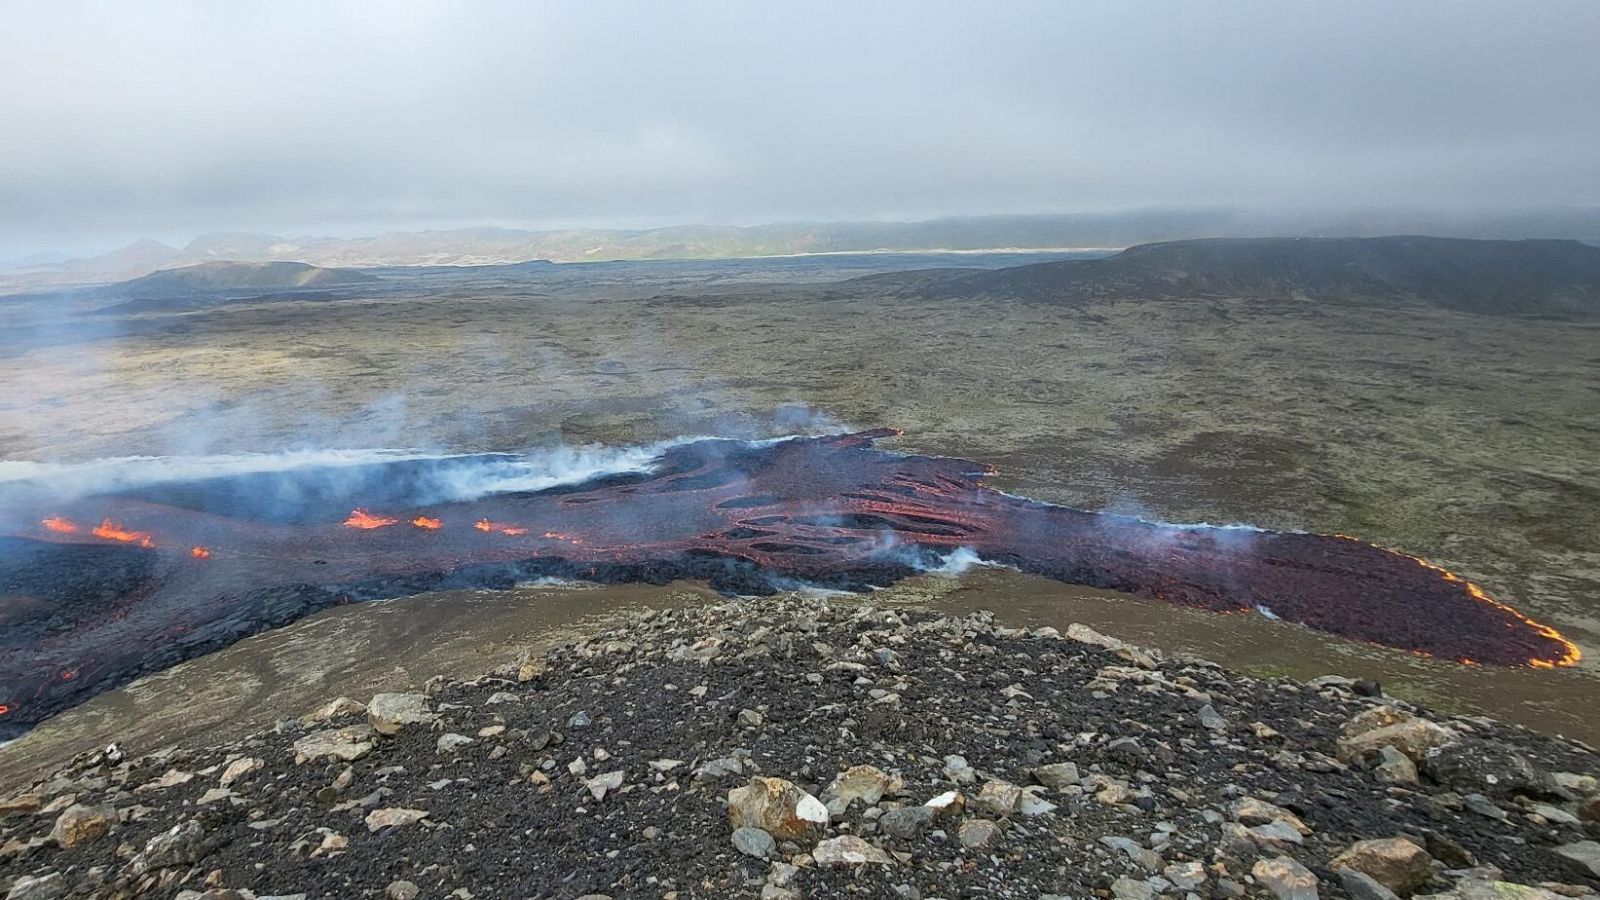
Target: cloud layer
{"type": "Point", "coordinates": [172, 118]}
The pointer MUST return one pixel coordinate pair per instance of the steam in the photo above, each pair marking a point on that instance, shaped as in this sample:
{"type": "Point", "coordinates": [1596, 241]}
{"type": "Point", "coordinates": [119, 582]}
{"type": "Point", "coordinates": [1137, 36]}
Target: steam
{"type": "Point", "coordinates": [960, 561]}
{"type": "Point", "coordinates": [105, 476]}
{"type": "Point", "coordinates": [26, 487]}
{"type": "Point", "coordinates": [923, 559]}
{"type": "Point", "coordinates": [540, 471]}
{"type": "Point", "coordinates": [805, 588]}
{"type": "Point", "coordinates": [325, 484]}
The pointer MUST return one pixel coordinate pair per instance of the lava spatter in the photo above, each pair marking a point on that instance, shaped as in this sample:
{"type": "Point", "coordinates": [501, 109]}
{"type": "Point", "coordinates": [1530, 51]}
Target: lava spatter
{"type": "Point", "coordinates": [360, 518]}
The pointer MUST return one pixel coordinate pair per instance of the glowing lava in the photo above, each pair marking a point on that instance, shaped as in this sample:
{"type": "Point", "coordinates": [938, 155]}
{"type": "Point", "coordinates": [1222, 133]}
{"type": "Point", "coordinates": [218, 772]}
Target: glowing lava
{"type": "Point", "coordinates": [1570, 655]}
{"type": "Point", "coordinates": [113, 531]}
{"type": "Point", "coordinates": [199, 552]}
{"type": "Point", "coordinates": [360, 518]}
{"type": "Point", "coordinates": [747, 518]}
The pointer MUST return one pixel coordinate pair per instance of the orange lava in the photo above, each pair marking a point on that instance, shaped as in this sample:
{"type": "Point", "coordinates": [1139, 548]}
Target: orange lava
{"type": "Point", "coordinates": [4, 709]}
{"type": "Point", "coordinates": [427, 522]}
{"type": "Point", "coordinates": [1570, 655]}
{"type": "Point", "coordinates": [113, 531]}
{"type": "Point", "coordinates": [499, 528]}
{"type": "Point", "coordinates": [200, 553]}
{"type": "Point", "coordinates": [60, 525]}
{"type": "Point", "coordinates": [360, 518]}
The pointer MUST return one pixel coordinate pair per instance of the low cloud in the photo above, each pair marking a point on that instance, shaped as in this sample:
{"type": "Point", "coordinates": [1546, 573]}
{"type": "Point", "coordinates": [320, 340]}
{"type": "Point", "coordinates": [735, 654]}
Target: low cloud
{"type": "Point", "coordinates": [175, 118]}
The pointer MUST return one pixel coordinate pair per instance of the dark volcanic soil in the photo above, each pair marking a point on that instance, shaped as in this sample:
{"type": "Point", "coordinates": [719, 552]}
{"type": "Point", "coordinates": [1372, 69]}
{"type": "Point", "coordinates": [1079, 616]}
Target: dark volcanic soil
{"type": "Point", "coordinates": [606, 768]}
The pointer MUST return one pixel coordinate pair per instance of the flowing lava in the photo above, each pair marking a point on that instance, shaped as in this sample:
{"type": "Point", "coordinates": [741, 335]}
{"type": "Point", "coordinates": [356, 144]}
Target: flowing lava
{"type": "Point", "coordinates": [113, 531]}
{"type": "Point", "coordinates": [749, 518]}
{"type": "Point", "coordinates": [360, 518]}
{"type": "Point", "coordinates": [200, 553]}
{"type": "Point", "coordinates": [1570, 657]}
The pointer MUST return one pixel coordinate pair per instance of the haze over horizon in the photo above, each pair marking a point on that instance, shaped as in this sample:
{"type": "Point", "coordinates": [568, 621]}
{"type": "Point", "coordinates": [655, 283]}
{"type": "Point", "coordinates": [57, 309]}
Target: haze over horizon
{"type": "Point", "coordinates": [302, 119]}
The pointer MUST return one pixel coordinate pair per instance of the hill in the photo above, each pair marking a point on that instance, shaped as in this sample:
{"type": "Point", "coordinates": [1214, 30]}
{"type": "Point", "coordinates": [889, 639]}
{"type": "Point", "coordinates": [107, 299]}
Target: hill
{"type": "Point", "coordinates": [231, 276]}
{"type": "Point", "coordinates": [206, 284]}
{"type": "Point", "coordinates": [1530, 277]}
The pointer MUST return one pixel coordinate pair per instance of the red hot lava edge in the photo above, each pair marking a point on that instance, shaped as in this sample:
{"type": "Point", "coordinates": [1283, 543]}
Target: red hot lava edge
{"type": "Point", "coordinates": [112, 588]}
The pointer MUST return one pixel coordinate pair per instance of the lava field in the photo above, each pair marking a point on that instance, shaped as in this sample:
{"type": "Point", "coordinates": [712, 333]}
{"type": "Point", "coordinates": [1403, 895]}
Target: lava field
{"type": "Point", "coordinates": [102, 589]}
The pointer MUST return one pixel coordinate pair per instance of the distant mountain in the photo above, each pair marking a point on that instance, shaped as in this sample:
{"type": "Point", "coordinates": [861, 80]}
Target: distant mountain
{"type": "Point", "coordinates": [490, 246]}
{"type": "Point", "coordinates": [1529, 277]}
{"type": "Point", "coordinates": [142, 255]}
{"type": "Point", "coordinates": [35, 260]}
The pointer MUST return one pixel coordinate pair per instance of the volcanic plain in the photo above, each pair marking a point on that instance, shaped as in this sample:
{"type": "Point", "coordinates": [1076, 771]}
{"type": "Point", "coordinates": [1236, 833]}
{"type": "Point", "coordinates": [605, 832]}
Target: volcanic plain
{"type": "Point", "coordinates": [1463, 438]}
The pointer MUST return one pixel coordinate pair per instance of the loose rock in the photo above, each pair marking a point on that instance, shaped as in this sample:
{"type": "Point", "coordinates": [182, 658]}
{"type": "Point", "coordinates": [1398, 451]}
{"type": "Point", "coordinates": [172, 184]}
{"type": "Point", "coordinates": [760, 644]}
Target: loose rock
{"type": "Point", "coordinates": [754, 842]}
{"type": "Point", "coordinates": [394, 817]}
{"type": "Point", "coordinates": [1581, 858]}
{"type": "Point", "coordinates": [78, 823]}
{"type": "Point", "coordinates": [777, 807]}
{"type": "Point", "coordinates": [388, 713]}
{"type": "Point", "coordinates": [1395, 863]}
{"type": "Point", "coordinates": [1285, 878]}
{"type": "Point", "coordinates": [978, 834]}
{"type": "Point", "coordinates": [346, 744]}
{"type": "Point", "coordinates": [1056, 775]}
{"type": "Point", "coordinates": [848, 850]}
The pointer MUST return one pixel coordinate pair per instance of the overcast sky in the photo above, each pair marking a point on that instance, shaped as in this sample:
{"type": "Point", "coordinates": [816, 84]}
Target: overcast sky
{"type": "Point", "coordinates": [171, 119]}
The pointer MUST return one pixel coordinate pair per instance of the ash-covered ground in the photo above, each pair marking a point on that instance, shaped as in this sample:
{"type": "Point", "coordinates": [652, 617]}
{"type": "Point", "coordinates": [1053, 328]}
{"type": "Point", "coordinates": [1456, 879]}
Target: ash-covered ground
{"type": "Point", "coordinates": [784, 749]}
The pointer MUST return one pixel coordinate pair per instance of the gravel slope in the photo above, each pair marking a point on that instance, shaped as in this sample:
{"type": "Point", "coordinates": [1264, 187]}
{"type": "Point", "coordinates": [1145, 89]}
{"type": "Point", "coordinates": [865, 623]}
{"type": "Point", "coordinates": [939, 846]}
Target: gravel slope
{"type": "Point", "coordinates": [621, 765]}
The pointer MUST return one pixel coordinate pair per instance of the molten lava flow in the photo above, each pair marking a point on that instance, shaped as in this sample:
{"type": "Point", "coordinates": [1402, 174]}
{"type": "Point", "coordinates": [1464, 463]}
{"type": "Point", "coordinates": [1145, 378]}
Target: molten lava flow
{"type": "Point", "coordinates": [1570, 655]}
{"type": "Point", "coordinates": [499, 528]}
{"type": "Point", "coordinates": [360, 518]}
{"type": "Point", "coordinates": [749, 518]}
{"type": "Point", "coordinates": [113, 531]}
{"type": "Point", "coordinates": [60, 525]}
{"type": "Point", "coordinates": [200, 553]}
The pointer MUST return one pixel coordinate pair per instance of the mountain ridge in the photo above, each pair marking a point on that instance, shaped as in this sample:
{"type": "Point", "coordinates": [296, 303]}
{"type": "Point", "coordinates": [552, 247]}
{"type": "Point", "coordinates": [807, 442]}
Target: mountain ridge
{"type": "Point", "coordinates": [488, 245]}
{"type": "Point", "coordinates": [1538, 277]}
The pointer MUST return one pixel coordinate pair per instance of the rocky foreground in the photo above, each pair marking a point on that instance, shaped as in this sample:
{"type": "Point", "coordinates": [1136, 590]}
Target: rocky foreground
{"type": "Point", "coordinates": [801, 748]}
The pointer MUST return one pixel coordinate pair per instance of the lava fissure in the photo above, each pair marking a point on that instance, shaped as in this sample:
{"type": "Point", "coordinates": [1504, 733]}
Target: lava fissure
{"type": "Point", "coordinates": [180, 570]}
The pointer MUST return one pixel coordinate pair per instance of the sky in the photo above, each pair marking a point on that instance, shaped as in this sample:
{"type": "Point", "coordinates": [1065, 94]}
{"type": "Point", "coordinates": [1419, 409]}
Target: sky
{"type": "Point", "coordinates": [171, 119]}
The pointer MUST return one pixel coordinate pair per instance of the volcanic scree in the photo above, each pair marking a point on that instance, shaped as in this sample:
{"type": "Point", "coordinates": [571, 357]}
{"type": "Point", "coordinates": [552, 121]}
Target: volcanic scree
{"type": "Point", "coordinates": [112, 586]}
